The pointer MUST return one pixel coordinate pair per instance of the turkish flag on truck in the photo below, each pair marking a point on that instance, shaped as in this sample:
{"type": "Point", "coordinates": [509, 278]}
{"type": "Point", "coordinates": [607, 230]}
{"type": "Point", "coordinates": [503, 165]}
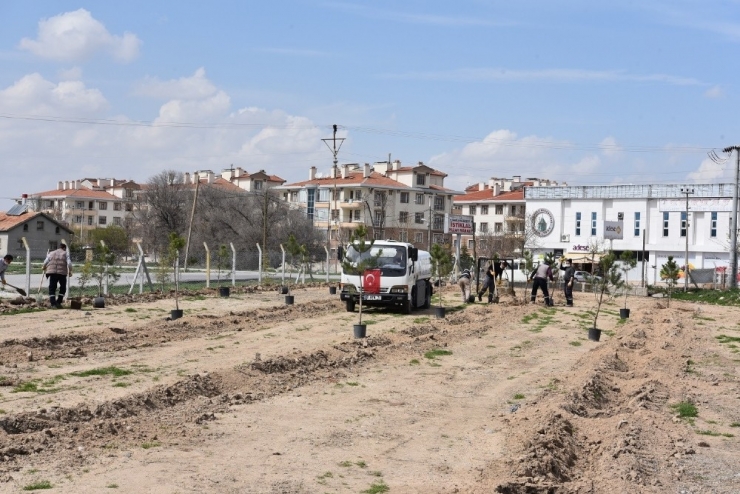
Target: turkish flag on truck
{"type": "Point", "coordinates": [371, 281]}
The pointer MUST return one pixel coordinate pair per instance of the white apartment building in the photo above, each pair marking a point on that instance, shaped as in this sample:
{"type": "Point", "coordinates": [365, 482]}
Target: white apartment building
{"type": "Point", "coordinates": [571, 220]}
{"type": "Point", "coordinates": [394, 201]}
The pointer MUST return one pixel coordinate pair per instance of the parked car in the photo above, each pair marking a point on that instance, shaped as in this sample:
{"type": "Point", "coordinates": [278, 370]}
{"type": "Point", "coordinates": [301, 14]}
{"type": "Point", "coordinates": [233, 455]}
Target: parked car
{"type": "Point", "coordinates": [586, 277]}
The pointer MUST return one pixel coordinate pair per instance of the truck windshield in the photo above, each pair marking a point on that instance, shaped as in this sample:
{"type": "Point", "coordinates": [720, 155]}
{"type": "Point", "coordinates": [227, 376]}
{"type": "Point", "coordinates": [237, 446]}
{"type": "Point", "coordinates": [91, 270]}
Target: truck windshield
{"type": "Point", "coordinates": [392, 261]}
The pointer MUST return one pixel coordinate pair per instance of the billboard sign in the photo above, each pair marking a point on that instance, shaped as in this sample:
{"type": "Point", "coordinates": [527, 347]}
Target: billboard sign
{"type": "Point", "coordinates": [614, 230]}
{"type": "Point", "coordinates": [457, 223]}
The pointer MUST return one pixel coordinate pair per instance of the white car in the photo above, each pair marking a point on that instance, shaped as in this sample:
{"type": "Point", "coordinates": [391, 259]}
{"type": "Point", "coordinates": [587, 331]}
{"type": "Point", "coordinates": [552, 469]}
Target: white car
{"type": "Point", "coordinates": [586, 277]}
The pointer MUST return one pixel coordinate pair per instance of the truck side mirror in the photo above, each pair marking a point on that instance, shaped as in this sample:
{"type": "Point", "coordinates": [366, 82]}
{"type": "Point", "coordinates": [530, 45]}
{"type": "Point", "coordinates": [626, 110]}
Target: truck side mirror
{"type": "Point", "coordinates": [414, 253]}
{"type": "Point", "coordinates": [340, 253]}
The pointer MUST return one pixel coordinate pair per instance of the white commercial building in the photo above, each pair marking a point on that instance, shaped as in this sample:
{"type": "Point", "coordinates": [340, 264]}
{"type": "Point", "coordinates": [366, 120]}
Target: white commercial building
{"type": "Point", "coordinates": [649, 220]}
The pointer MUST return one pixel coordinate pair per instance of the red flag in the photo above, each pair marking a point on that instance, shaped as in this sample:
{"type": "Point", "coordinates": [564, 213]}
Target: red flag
{"type": "Point", "coordinates": [371, 281]}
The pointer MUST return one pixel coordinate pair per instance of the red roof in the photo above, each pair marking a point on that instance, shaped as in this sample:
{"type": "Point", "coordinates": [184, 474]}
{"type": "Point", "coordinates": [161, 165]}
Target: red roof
{"type": "Point", "coordinates": [7, 223]}
{"type": "Point", "coordinates": [353, 178]}
{"type": "Point", "coordinates": [81, 193]}
{"type": "Point", "coordinates": [486, 195]}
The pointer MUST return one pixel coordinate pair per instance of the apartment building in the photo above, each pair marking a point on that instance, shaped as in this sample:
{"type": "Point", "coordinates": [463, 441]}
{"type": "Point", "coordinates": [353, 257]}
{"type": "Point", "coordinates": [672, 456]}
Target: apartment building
{"type": "Point", "coordinates": [405, 203]}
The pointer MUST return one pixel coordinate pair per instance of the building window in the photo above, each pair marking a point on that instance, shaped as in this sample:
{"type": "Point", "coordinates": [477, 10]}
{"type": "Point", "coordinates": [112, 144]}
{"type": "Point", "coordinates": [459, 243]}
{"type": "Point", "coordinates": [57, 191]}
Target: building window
{"type": "Point", "coordinates": [116, 206]}
{"type": "Point", "coordinates": [593, 224]}
{"type": "Point", "coordinates": [258, 185]}
{"type": "Point", "coordinates": [293, 196]}
{"type": "Point", "coordinates": [578, 224]}
{"type": "Point", "coordinates": [471, 210]}
{"type": "Point", "coordinates": [403, 217]}
{"type": "Point", "coordinates": [439, 238]}
{"type": "Point", "coordinates": [39, 225]}
{"type": "Point", "coordinates": [25, 227]}
{"type": "Point", "coordinates": [377, 234]}
{"type": "Point", "coordinates": [356, 215]}
{"type": "Point", "coordinates": [378, 199]}
{"type": "Point", "coordinates": [665, 224]}
{"type": "Point", "coordinates": [377, 218]}
{"type": "Point", "coordinates": [418, 218]}
{"type": "Point", "coordinates": [499, 209]}
{"type": "Point", "coordinates": [421, 179]}
{"type": "Point", "coordinates": [56, 230]}
{"type": "Point", "coordinates": [78, 219]}
{"type": "Point", "coordinates": [484, 227]}
{"type": "Point", "coordinates": [89, 220]}
{"type": "Point", "coordinates": [637, 224]}
{"type": "Point", "coordinates": [323, 195]}
{"type": "Point", "coordinates": [403, 236]}
{"type": "Point", "coordinates": [102, 205]}
{"type": "Point", "coordinates": [438, 222]}
{"type": "Point", "coordinates": [713, 225]}
{"type": "Point", "coordinates": [53, 245]}
{"type": "Point", "coordinates": [102, 220]}
{"type": "Point", "coordinates": [418, 237]}
{"type": "Point", "coordinates": [80, 205]}
{"type": "Point", "coordinates": [684, 223]}
{"type": "Point", "coordinates": [484, 209]}
{"type": "Point", "coordinates": [470, 244]}
{"type": "Point", "coordinates": [419, 199]}
{"type": "Point", "coordinates": [513, 210]}
{"type": "Point", "coordinates": [335, 215]}
{"type": "Point", "coordinates": [91, 205]}
{"type": "Point", "coordinates": [498, 227]}
{"type": "Point", "coordinates": [129, 193]}
{"type": "Point", "coordinates": [49, 204]}
{"type": "Point", "coordinates": [117, 221]}
{"type": "Point", "coordinates": [129, 207]}
{"type": "Point", "coordinates": [439, 203]}
{"type": "Point", "coordinates": [404, 197]}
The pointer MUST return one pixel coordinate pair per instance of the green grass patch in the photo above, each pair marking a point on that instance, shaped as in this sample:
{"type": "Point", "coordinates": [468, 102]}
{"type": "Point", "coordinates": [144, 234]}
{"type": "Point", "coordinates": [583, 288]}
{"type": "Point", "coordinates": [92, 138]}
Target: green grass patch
{"type": "Point", "coordinates": [708, 433]}
{"type": "Point", "coordinates": [112, 486]}
{"type": "Point", "coordinates": [414, 361]}
{"type": "Point", "coordinates": [421, 320]}
{"type": "Point", "coordinates": [151, 444]}
{"type": "Point", "coordinates": [121, 385]}
{"type": "Point", "coordinates": [102, 371]}
{"type": "Point", "coordinates": [685, 409]}
{"type": "Point", "coordinates": [27, 387]}
{"type": "Point", "coordinates": [44, 484]}
{"type": "Point", "coordinates": [735, 424]}
{"type": "Point", "coordinates": [377, 488]}
{"type": "Point", "coordinates": [575, 343]}
{"type": "Point", "coordinates": [346, 464]}
{"type": "Point", "coordinates": [353, 383]}
{"type": "Point", "coordinates": [723, 338]}
{"type": "Point", "coordinates": [518, 396]}
{"type": "Point", "coordinates": [24, 310]}
{"type": "Point", "coordinates": [130, 309]}
{"type": "Point", "coordinates": [432, 354]}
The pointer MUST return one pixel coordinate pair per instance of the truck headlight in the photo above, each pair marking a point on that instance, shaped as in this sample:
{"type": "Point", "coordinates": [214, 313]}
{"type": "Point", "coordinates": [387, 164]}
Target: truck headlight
{"type": "Point", "coordinates": [400, 289]}
{"type": "Point", "coordinates": [349, 287]}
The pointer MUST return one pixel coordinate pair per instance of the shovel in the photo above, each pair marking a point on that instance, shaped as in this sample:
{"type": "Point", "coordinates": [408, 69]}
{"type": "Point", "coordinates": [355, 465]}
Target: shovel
{"type": "Point", "coordinates": [19, 290]}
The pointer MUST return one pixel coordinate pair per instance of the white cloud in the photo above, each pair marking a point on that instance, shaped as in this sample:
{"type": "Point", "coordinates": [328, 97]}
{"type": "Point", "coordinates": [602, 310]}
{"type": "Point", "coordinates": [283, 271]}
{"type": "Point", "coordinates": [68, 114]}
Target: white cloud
{"type": "Point", "coordinates": [502, 74]}
{"type": "Point", "coordinates": [34, 95]}
{"type": "Point", "coordinates": [714, 92]}
{"type": "Point", "coordinates": [192, 87]}
{"type": "Point", "coordinates": [609, 147]}
{"type": "Point", "coordinates": [709, 172]}
{"type": "Point", "coordinates": [71, 74]}
{"type": "Point", "coordinates": [77, 36]}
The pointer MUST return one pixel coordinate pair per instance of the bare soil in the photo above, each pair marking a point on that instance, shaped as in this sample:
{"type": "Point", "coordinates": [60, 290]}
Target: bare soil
{"type": "Point", "coordinates": [248, 394]}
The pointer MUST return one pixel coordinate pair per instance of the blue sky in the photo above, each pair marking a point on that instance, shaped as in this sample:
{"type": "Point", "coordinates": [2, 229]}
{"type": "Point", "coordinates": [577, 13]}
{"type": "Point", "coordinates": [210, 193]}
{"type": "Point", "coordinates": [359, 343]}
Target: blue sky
{"type": "Point", "coordinates": [581, 91]}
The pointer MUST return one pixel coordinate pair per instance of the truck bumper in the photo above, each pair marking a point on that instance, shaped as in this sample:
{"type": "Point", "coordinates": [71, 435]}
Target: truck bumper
{"type": "Point", "coordinates": [380, 299]}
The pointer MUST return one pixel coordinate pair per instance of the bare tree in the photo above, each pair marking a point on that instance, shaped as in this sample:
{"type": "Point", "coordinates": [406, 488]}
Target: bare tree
{"type": "Point", "coordinates": [162, 209]}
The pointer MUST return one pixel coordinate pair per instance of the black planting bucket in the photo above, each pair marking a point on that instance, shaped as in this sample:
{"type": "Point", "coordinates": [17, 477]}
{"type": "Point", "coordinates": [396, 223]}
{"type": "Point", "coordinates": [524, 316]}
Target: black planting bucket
{"type": "Point", "coordinates": [99, 302]}
{"type": "Point", "coordinates": [360, 330]}
{"type": "Point", "coordinates": [176, 314]}
{"type": "Point", "coordinates": [440, 312]}
{"type": "Point", "coordinates": [594, 334]}
{"type": "Point", "coordinates": [224, 291]}
{"type": "Point", "coordinates": [332, 290]}
{"type": "Point", "coordinates": [624, 313]}
{"type": "Point", "coordinates": [289, 299]}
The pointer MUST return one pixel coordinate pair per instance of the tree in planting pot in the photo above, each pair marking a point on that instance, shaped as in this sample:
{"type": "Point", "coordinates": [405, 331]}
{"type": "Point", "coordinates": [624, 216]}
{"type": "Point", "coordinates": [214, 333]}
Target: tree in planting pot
{"type": "Point", "coordinates": [628, 262]}
{"type": "Point", "coordinates": [605, 287]}
{"type": "Point", "coordinates": [103, 271]}
{"type": "Point", "coordinates": [171, 261]}
{"type": "Point", "coordinates": [528, 268]}
{"type": "Point", "coordinates": [441, 268]}
{"type": "Point", "coordinates": [670, 272]}
{"type": "Point", "coordinates": [82, 281]}
{"type": "Point", "coordinates": [222, 256]}
{"type": "Point", "coordinates": [356, 260]}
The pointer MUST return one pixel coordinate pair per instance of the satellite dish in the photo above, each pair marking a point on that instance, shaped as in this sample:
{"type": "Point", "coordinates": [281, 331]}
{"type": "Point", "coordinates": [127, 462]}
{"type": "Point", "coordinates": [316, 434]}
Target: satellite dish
{"type": "Point", "coordinates": [319, 175]}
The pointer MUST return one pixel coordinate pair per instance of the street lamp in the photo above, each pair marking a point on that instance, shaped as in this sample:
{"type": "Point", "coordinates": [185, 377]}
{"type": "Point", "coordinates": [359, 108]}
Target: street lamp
{"type": "Point", "coordinates": [686, 191]}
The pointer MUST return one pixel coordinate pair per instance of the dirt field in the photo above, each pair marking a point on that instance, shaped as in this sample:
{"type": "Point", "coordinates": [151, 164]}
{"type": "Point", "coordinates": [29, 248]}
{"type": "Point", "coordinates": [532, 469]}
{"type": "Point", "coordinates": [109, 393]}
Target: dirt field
{"type": "Point", "coordinates": [247, 394]}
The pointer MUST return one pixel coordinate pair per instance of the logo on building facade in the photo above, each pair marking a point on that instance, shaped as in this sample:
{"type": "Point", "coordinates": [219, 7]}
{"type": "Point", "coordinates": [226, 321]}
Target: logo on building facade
{"type": "Point", "coordinates": [543, 222]}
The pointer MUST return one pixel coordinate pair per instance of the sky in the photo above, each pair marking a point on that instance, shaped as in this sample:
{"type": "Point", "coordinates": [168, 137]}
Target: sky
{"type": "Point", "coordinates": [577, 91]}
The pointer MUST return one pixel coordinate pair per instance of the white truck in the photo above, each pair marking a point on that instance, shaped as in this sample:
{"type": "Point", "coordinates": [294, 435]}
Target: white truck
{"type": "Point", "coordinates": [405, 276]}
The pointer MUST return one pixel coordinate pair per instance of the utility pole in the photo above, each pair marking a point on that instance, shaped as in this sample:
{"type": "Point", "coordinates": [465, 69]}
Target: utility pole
{"type": "Point", "coordinates": [686, 191]}
{"type": "Point", "coordinates": [335, 172]}
{"type": "Point", "coordinates": [733, 217]}
{"type": "Point", "coordinates": [431, 198]}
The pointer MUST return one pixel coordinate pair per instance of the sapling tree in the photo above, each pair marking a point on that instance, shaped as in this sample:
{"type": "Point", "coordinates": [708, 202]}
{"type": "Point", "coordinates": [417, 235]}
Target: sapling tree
{"type": "Point", "coordinates": [608, 285]}
{"type": "Point", "coordinates": [103, 267]}
{"type": "Point", "coordinates": [670, 272]}
{"type": "Point", "coordinates": [85, 276]}
{"type": "Point", "coordinates": [441, 265]}
{"type": "Point", "coordinates": [628, 262]}
{"type": "Point", "coordinates": [359, 258]}
{"type": "Point", "coordinates": [528, 268]}
{"type": "Point", "coordinates": [175, 245]}
{"type": "Point", "coordinates": [222, 256]}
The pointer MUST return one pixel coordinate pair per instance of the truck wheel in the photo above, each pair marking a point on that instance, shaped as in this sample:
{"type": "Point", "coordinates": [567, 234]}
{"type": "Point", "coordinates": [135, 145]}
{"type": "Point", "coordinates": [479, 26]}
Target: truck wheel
{"type": "Point", "coordinates": [350, 305]}
{"type": "Point", "coordinates": [427, 296]}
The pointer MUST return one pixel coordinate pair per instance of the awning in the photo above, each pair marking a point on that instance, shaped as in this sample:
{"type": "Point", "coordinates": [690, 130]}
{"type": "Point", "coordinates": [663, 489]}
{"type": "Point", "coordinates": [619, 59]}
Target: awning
{"type": "Point", "coordinates": [582, 257]}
